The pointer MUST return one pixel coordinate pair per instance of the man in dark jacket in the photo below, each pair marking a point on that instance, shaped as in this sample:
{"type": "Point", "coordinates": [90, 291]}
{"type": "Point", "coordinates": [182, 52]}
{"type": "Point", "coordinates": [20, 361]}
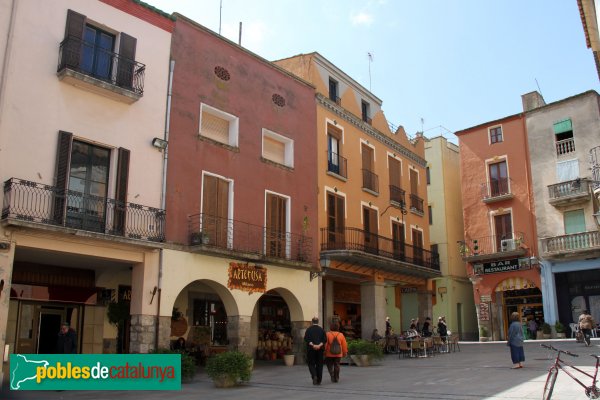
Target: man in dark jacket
{"type": "Point", "coordinates": [315, 340]}
{"type": "Point", "coordinates": [66, 343]}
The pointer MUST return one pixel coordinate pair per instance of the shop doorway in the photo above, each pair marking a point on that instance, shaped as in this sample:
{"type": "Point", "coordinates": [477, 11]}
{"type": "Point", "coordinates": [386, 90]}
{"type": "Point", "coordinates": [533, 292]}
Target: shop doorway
{"type": "Point", "coordinates": [274, 327]}
{"type": "Point", "coordinates": [39, 323]}
{"type": "Point", "coordinates": [526, 302]}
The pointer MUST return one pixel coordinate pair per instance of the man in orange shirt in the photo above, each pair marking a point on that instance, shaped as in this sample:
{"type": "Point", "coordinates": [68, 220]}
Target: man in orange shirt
{"type": "Point", "coordinates": [335, 348]}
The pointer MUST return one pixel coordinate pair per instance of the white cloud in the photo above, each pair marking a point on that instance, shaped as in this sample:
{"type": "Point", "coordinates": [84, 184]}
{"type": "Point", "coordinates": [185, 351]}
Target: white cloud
{"type": "Point", "coordinates": [361, 18]}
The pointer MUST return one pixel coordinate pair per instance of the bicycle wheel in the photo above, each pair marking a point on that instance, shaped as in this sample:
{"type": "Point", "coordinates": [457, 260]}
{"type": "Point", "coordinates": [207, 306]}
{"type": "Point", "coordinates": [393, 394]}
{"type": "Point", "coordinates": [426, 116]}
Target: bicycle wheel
{"type": "Point", "coordinates": [549, 387]}
{"type": "Point", "coordinates": [592, 392]}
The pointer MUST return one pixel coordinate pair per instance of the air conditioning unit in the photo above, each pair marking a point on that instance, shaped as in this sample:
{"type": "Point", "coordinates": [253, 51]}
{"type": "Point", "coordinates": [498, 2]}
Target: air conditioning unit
{"type": "Point", "coordinates": [508, 245]}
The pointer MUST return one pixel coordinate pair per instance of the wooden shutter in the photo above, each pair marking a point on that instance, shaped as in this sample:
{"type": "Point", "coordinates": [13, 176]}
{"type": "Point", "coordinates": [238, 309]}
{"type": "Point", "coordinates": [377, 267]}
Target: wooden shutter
{"type": "Point", "coordinates": [63, 162]}
{"type": "Point", "coordinates": [276, 227]}
{"type": "Point", "coordinates": [370, 227]}
{"type": "Point", "coordinates": [126, 64]}
{"type": "Point", "coordinates": [417, 238]}
{"type": "Point", "coordinates": [367, 158]}
{"type": "Point", "coordinates": [121, 191]}
{"type": "Point", "coordinates": [71, 52]}
{"type": "Point", "coordinates": [414, 182]}
{"type": "Point", "coordinates": [398, 240]}
{"type": "Point", "coordinates": [214, 127]}
{"type": "Point", "coordinates": [215, 210]}
{"type": "Point", "coordinates": [394, 168]}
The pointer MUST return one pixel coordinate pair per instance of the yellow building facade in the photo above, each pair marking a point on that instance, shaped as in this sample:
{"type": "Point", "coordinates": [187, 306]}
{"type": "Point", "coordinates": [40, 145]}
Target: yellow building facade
{"type": "Point", "coordinates": [453, 292]}
{"type": "Point", "coordinates": [374, 235]}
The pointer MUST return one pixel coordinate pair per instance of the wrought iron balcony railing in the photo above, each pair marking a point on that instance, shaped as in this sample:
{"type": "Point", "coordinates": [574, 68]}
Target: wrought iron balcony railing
{"type": "Point", "coordinates": [360, 240]}
{"type": "Point", "coordinates": [370, 181]}
{"type": "Point", "coordinates": [44, 204]}
{"type": "Point", "coordinates": [574, 242]}
{"type": "Point", "coordinates": [494, 244]}
{"type": "Point", "coordinates": [228, 234]}
{"type": "Point", "coordinates": [102, 64]}
{"type": "Point", "coordinates": [565, 146]}
{"type": "Point", "coordinates": [416, 204]}
{"type": "Point", "coordinates": [496, 188]}
{"type": "Point", "coordinates": [337, 164]}
{"type": "Point", "coordinates": [397, 195]}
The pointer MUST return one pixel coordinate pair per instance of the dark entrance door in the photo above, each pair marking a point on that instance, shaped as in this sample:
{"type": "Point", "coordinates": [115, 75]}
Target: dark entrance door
{"type": "Point", "coordinates": [49, 327]}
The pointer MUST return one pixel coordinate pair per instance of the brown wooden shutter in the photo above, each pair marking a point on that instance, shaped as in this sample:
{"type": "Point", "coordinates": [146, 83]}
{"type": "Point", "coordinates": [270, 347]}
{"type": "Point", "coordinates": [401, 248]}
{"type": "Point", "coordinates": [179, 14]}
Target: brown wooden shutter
{"type": "Point", "coordinates": [63, 163]}
{"type": "Point", "coordinates": [394, 168]}
{"type": "Point", "coordinates": [126, 64]}
{"type": "Point", "coordinates": [121, 192]}
{"type": "Point", "coordinates": [276, 227]}
{"type": "Point", "coordinates": [367, 158]}
{"type": "Point", "coordinates": [414, 182]}
{"type": "Point", "coordinates": [74, 28]}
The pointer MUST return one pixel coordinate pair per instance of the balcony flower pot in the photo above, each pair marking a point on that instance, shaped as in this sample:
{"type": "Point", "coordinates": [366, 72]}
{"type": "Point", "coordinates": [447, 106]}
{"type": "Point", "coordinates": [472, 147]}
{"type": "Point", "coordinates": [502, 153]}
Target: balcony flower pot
{"type": "Point", "coordinates": [560, 330]}
{"type": "Point", "coordinates": [197, 238]}
{"type": "Point", "coordinates": [546, 330]}
{"type": "Point", "coordinates": [363, 352]}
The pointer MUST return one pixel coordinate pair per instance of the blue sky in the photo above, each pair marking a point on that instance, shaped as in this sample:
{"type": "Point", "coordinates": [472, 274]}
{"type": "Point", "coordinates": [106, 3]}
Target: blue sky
{"type": "Point", "coordinates": [454, 64]}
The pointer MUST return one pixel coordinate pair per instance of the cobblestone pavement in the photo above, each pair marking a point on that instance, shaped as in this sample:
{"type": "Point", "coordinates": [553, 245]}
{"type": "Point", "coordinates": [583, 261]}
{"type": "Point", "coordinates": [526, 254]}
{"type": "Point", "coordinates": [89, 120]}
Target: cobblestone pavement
{"type": "Point", "coordinates": [477, 371]}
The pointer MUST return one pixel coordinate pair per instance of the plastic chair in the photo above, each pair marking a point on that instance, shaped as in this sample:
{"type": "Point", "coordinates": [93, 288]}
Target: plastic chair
{"type": "Point", "coordinates": [574, 329]}
{"type": "Point", "coordinates": [403, 348]}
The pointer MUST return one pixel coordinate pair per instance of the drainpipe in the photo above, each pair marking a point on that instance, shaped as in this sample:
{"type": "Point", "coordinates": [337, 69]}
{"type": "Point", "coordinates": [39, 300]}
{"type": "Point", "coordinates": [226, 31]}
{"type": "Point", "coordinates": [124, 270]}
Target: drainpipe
{"type": "Point", "coordinates": [7, 52]}
{"type": "Point", "coordinates": [163, 200]}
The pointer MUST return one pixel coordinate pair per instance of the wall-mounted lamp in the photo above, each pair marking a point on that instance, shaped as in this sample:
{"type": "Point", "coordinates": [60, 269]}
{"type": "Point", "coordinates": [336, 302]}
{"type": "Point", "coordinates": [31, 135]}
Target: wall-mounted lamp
{"type": "Point", "coordinates": [4, 245]}
{"type": "Point", "coordinates": [153, 292]}
{"type": "Point", "coordinates": [159, 143]}
{"type": "Point", "coordinates": [324, 262]}
{"type": "Point", "coordinates": [442, 290]}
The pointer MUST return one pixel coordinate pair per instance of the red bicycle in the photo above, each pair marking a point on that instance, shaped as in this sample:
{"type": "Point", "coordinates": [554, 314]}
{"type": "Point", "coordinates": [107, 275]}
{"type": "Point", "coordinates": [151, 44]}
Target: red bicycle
{"type": "Point", "coordinates": [592, 392]}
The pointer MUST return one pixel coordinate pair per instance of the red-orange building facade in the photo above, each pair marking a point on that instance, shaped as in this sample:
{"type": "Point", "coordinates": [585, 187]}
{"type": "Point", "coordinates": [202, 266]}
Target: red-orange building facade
{"type": "Point", "coordinates": [500, 233]}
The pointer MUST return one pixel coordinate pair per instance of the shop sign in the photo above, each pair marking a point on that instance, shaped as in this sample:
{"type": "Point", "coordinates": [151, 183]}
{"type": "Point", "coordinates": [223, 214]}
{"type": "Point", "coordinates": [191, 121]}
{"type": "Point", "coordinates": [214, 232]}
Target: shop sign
{"type": "Point", "coordinates": [514, 264]}
{"type": "Point", "coordinates": [484, 311]}
{"type": "Point", "coordinates": [408, 290]}
{"type": "Point", "coordinates": [591, 288]}
{"type": "Point", "coordinates": [249, 278]}
{"type": "Point", "coordinates": [484, 298]}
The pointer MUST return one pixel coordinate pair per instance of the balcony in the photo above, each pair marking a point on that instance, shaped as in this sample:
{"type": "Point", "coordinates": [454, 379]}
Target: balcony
{"type": "Point", "coordinates": [337, 165]}
{"type": "Point", "coordinates": [34, 204]}
{"type": "Point", "coordinates": [565, 146]}
{"type": "Point", "coordinates": [361, 247]}
{"type": "Point", "coordinates": [397, 196]}
{"type": "Point", "coordinates": [416, 204]}
{"type": "Point", "coordinates": [569, 192]}
{"type": "Point", "coordinates": [493, 247]}
{"type": "Point", "coordinates": [370, 181]}
{"type": "Point", "coordinates": [584, 244]}
{"type": "Point", "coordinates": [109, 74]}
{"type": "Point", "coordinates": [496, 190]}
{"type": "Point", "coordinates": [235, 239]}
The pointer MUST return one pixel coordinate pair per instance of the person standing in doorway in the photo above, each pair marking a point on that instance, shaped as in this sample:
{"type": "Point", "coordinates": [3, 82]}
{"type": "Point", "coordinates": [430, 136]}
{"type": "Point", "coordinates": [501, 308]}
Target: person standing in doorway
{"type": "Point", "coordinates": [66, 342]}
{"type": "Point", "coordinates": [515, 341]}
{"type": "Point", "coordinates": [315, 339]}
{"type": "Point", "coordinates": [335, 348]}
{"type": "Point", "coordinates": [388, 327]}
{"type": "Point", "coordinates": [586, 324]}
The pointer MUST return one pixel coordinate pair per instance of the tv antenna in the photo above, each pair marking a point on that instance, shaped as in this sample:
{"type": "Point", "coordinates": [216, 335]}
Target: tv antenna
{"type": "Point", "coordinates": [370, 57]}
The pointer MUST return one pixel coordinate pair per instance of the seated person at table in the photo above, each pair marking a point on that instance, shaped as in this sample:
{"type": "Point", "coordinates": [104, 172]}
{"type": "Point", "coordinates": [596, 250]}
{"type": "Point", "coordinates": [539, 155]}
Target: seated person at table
{"type": "Point", "coordinates": [427, 327]}
{"type": "Point", "coordinates": [375, 336]}
{"type": "Point", "coordinates": [442, 328]}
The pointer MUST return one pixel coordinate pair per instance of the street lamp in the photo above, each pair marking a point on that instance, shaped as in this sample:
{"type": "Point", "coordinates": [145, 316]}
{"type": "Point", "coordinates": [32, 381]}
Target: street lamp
{"type": "Point", "coordinates": [324, 263]}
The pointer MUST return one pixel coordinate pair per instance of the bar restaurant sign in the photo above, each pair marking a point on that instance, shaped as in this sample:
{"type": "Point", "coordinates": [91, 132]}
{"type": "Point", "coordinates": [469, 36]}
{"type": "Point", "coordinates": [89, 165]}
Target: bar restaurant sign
{"type": "Point", "coordinates": [249, 278]}
{"type": "Point", "coordinates": [514, 264]}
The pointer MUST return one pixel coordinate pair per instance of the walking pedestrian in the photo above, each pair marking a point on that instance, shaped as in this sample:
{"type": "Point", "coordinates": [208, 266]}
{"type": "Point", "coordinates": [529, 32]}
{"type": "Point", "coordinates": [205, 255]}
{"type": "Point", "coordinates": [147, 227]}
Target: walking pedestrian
{"type": "Point", "coordinates": [335, 348]}
{"type": "Point", "coordinates": [586, 324]}
{"type": "Point", "coordinates": [515, 341]}
{"type": "Point", "coordinates": [66, 342]}
{"type": "Point", "coordinates": [315, 339]}
{"type": "Point", "coordinates": [388, 327]}
{"type": "Point", "coordinates": [427, 327]}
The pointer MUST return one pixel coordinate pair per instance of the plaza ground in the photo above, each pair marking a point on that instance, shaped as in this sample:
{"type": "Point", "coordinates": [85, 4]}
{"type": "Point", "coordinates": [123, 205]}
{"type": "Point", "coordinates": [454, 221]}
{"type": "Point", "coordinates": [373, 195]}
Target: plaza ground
{"type": "Point", "coordinates": [478, 371]}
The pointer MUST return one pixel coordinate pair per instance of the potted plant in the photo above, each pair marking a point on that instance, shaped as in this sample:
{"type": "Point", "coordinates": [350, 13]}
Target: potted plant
{"type": "Point", "coordinates": [483, 334]}
{"type": "Point", "coordinates": [197, 238]}
{"type": "Point", "coordinates": [363, 352]}
{"type": "Point", "coordinates": [546, 330]}
{"type": "Point", "coordinates": [229, 368]}
{"type": "Point", "coordinates": [188, 364]}
{"type": "Point", "coordinates": [560, 330]}
{"type": "Point", "coordinates": [288, 358]}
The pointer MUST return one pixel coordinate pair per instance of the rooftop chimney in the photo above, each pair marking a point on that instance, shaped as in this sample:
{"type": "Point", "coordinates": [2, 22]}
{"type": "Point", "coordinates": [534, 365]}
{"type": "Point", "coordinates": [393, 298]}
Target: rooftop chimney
{"type": "Point", "coordinates": [532, 100]}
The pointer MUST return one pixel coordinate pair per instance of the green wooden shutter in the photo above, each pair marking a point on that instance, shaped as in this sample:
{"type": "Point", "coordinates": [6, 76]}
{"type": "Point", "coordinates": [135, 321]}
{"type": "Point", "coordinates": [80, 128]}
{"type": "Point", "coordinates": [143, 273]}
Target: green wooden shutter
{"type": "Point", "coordinates": [574, 221]}
{"type": "Point", "coordinates": [563, 126]}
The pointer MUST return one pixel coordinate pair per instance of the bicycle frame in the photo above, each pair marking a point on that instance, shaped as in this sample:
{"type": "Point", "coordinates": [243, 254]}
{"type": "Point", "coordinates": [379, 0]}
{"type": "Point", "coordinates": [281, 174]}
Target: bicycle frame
{"type": "Point", "coordinates": [562, 365]}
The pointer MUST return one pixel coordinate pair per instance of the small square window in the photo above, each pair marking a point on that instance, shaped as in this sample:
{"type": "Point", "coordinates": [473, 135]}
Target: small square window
{"type": "Point", "coordinates": [496, 135]}
{"type": "Point", "coordinates": [278, 148]}
{"type": "Point", "coordinates": [218, 125]}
